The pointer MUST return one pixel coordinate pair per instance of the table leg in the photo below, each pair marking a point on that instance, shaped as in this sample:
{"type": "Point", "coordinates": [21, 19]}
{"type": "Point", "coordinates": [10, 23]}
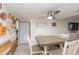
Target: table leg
{"type": "Point", "coordinates": [45, 50]}
{"type": "Point", "coordinates": [61, 46]}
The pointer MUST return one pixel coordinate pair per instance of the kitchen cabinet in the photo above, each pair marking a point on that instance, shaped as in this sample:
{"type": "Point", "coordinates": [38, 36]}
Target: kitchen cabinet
{"type": "Point", "coordinates": [13, 46]}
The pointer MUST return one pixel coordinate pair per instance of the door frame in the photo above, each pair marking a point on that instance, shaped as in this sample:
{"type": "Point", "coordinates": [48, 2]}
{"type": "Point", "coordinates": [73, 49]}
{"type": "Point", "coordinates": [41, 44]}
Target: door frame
{"type": "Point", "coordinates": [29, 29]}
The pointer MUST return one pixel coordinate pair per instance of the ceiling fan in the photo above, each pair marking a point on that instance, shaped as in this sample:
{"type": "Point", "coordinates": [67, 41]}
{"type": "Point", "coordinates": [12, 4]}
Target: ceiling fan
{"type": "Point", "coordinates": [50, 14]}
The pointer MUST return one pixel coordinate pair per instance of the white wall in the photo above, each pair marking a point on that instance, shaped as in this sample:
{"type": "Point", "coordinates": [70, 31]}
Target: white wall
{"type": "Point", "coordinates": [61, 27]}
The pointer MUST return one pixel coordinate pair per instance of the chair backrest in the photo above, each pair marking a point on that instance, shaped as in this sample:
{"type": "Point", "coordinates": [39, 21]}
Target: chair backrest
{"type": "Point", "coordinates": [30, 44]}
{"type": "Point", "coordinates": [70, 47]}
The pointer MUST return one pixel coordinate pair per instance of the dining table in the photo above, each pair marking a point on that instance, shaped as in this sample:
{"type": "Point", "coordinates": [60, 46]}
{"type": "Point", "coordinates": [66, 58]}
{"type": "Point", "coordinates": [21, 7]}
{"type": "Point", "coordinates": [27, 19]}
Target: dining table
{"type": "Point", "coordinates": [45, 41]}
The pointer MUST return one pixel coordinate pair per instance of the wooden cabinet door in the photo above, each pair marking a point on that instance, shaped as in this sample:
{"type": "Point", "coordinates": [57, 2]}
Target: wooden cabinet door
{"type": "Point", "coordinates": [13, 48]}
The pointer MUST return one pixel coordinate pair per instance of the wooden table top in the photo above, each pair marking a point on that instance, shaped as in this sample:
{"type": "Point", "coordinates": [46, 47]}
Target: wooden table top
{"type": "Point", "coordinates": [46, 40]}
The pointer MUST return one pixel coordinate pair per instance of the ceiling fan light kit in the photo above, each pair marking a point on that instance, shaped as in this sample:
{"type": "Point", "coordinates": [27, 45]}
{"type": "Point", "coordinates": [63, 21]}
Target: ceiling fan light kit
{"type": "Point", "coordinates": [50, 17]}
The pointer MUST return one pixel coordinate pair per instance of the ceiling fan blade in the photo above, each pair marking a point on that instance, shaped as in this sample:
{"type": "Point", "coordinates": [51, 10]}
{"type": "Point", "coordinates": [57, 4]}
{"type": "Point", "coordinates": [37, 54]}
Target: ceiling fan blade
{"type": "Point", "coordinates": [41, 16]}
{"type": "Point", "coordinates": [56, 12]}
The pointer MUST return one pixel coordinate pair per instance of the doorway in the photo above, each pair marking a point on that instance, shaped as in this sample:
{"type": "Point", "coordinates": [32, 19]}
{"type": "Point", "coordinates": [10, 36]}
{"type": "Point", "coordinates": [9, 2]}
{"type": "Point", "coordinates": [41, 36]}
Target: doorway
{"type": "Point", "coordinates": [23, 32]}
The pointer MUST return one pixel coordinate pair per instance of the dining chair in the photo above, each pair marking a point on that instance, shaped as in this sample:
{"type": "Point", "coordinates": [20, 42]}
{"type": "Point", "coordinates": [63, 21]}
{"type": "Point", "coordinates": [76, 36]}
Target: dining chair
{"type": "Point", "coordinates": [65, 36]}
{"type": "Point", "coordinates": [70, 47]}
{"type": "Point", "coordinates": [35, 49]}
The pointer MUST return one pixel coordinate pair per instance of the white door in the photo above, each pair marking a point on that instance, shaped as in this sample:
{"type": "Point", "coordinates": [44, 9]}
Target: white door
{"type": "Point", "coordinates": [23, 32]}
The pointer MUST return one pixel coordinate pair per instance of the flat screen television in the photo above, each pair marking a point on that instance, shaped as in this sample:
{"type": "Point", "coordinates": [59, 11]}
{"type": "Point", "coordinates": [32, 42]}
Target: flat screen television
{"type": "Point", "coordinates": [73, 26]}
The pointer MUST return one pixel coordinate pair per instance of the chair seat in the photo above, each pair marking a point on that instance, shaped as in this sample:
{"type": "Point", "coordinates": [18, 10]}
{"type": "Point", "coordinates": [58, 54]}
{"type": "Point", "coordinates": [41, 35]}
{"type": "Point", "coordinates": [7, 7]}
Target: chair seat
{"type": "Point", "coordinates": [36, 48]}
{"type": "Point", "coordinates": [54, 47]}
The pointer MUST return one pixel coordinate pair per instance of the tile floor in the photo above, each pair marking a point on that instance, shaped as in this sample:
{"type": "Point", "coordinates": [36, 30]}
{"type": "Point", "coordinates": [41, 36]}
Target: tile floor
{"type": "Point", "coordinates": [23, 49]}
{"type": "Point", "coordinates": [59, 51]}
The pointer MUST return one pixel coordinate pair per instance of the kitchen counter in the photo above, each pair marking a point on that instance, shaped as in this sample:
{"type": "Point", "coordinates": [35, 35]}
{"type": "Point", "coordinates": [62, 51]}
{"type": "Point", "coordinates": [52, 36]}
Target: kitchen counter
{"type": "Point", "coordinates": [6, 38]}
{"type": "Point", "coordinates": [5, 48]}
{"type": "Point", "coordinates": [7, 44]}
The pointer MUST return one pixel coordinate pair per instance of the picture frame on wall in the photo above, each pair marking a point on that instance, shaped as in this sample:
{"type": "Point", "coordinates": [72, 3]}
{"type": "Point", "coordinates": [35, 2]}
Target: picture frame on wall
{"type": "Point", "coordinates": [54, 24]}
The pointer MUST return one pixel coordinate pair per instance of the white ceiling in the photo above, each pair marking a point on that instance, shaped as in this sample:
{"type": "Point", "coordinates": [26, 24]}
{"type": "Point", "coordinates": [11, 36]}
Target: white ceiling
{"type": "Point", "coordinates": [32, 10]}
